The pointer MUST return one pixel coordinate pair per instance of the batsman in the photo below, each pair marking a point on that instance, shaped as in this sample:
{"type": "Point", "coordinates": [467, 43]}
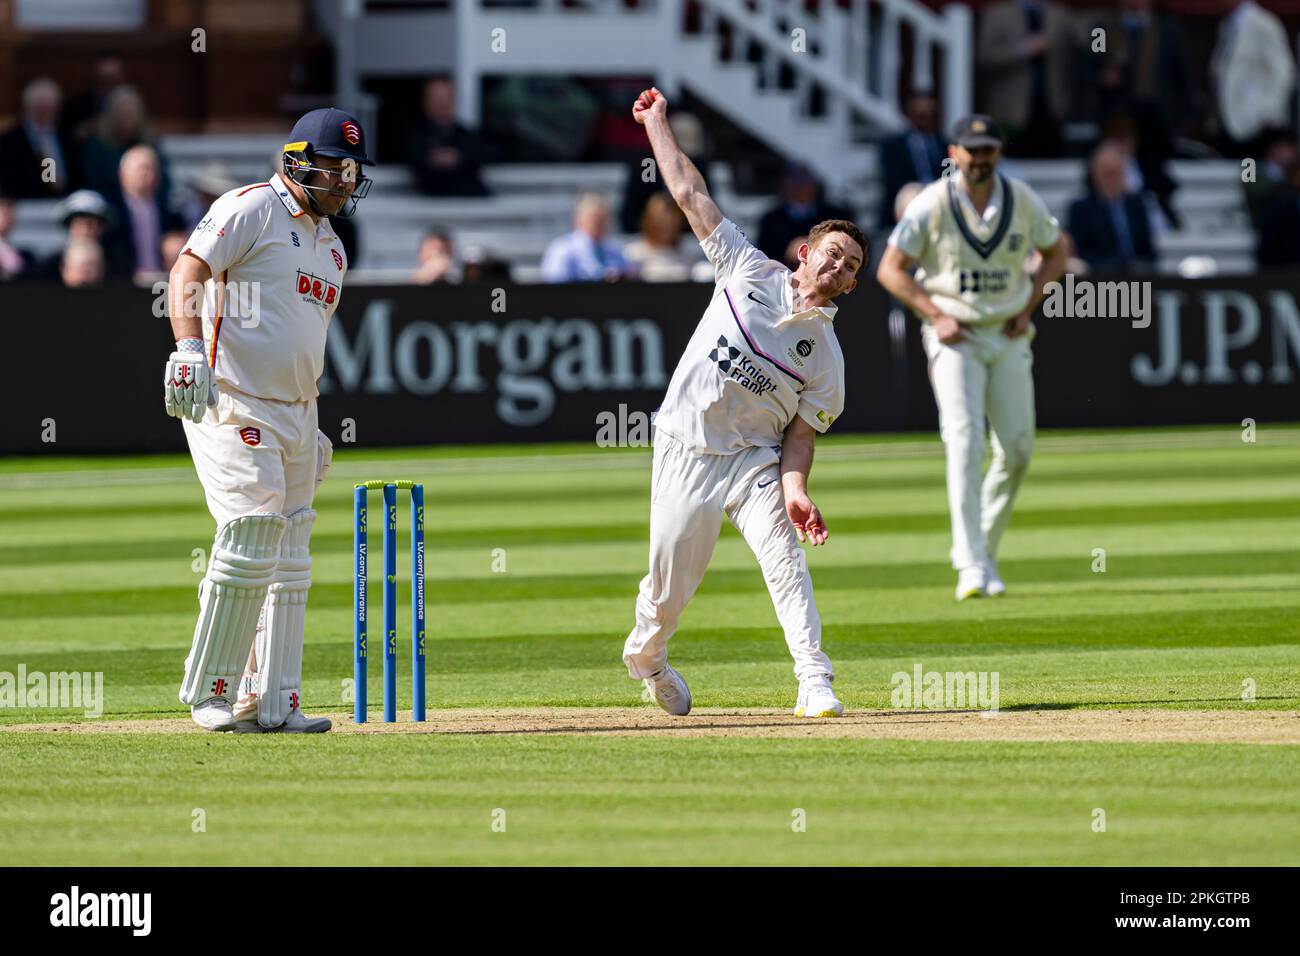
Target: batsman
{"type": "Point", "coordinates": [267, 268]}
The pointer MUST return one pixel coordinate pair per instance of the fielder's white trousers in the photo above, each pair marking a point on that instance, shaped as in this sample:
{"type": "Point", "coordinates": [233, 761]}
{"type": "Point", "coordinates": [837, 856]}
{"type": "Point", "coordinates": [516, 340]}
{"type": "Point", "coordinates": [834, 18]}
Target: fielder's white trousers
{"type": "Point", "coordinates": [689, 495]}
{"type": "Point", "coordinates": [990, 375]}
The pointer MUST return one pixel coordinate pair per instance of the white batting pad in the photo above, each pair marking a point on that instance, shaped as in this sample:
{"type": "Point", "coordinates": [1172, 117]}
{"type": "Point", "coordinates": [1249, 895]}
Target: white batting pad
{"type": "Point", "coordinates": [244, 557]}
{"type": "Point", "coordinates": [279, 646]}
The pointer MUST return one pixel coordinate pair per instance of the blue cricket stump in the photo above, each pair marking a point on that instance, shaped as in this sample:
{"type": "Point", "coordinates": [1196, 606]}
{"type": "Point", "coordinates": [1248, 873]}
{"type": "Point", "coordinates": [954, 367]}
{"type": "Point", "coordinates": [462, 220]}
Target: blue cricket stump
{"type": "Point", "coordinates": [359, 598]}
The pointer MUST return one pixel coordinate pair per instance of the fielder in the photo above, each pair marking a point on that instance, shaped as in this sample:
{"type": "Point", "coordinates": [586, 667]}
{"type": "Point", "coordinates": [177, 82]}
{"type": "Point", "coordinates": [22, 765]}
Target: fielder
{"type": "Point", "coordinates": [763, 375]}
{"type": "Point", "coordinates": [243, 381]}
{"type": "Point", "coordinates": [968, 236]}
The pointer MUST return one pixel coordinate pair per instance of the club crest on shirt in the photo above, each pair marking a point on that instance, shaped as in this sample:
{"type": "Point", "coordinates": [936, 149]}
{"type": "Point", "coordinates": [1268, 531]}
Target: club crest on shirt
{"type": "Point", "coordinates": [1016, 241]}
{"type": "Point", "coordinates": [736, 365]}
{"type": "Point", "coordinates": [251, 436]}
{"type": "Point", "coordinates": [338, 259]}
{"type": "Point", "coordinates": [803, 348]}
{"type": "Point", "coordinates": [316, 290]}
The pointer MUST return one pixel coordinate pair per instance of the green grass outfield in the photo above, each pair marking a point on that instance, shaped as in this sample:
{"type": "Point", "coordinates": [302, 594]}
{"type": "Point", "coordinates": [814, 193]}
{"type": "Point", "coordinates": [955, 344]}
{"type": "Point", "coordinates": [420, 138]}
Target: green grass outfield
{"type": "Point", "coordinates": [1199, 600]}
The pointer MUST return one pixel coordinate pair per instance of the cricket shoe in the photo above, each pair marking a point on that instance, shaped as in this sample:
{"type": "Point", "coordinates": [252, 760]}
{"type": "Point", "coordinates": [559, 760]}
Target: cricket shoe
{"type": "Point", "coordinates": [670, 691]}
{"type": "Point", "coordinates": [213, 714]}
{"type": "Point", "coordinates": [297, 723]}
{"type": "Point", "coordinates": [972, 582]}
{"type": "Point", "coordinates": [993, 586]}
{"type": "Point", "coordinates": [816, 699]}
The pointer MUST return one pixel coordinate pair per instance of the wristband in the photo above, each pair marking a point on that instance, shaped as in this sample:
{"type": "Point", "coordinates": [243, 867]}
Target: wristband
{"type": "Point", "coordinates": [190, 344]}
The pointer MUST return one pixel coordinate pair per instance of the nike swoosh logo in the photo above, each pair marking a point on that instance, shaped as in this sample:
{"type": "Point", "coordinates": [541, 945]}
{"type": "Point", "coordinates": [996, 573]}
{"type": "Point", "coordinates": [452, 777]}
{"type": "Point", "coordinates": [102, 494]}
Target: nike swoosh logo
{"type": "Point", "coordinates": [764, 484]}
{"type": "Point", "coordinates": [758, 300]}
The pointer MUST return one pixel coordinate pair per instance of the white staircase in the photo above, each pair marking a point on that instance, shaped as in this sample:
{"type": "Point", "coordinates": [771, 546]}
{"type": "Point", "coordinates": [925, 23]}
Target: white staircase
{"type": "Point", "coordinates": [841, 63]}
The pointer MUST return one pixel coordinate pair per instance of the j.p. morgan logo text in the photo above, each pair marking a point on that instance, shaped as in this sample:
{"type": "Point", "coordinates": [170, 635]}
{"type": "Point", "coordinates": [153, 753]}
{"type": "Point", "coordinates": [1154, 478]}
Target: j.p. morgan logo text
{"type": "Point", "coordinates": [75, 909]}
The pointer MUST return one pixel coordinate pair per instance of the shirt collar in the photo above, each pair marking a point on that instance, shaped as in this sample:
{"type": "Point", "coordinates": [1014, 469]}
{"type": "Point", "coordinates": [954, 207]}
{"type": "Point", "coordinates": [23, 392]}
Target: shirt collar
{"type": "Point", "coordinates": [824, 312]}
{"type": "Point", "coordinates": [286, 197]}
{"type": "Point", "coordinates": [994, 204]}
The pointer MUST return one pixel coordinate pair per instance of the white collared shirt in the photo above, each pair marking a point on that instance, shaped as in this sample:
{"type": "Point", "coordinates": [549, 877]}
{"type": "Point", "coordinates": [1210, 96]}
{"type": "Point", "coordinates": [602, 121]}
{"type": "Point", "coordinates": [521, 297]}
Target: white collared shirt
{"type": "Point", "coordinates": [282, 277]}
{"type": "Point", "coordinates": [753, 363]}
{"type": "Point", "coordinates": [973, 265]}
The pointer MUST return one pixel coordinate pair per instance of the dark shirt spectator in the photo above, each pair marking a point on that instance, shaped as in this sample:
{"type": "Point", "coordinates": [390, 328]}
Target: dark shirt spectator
{"type": "Point", "coordinates": [81, 112]}
{"type": "Point", "coordinates": [123, 124]}
{"type": "Point", "coordinates": [24, 172]}
{"type": "Point", "coordinates": [445, 156]}
{"type": "Point", "coordinates": [1144, 74]}
{"type": "Point", "coordinates": [1270, 176]}
{"type": "Point", "coordinates": [1279, 225]}
{"type": "Point", "coordinates": [1109, 225]}
{"type": "Point", "coordinates": [141, 216]}
{"type": "Point", "coordinates": [801, 207]}
{"type": "Point", "coordinates": [915, 155]}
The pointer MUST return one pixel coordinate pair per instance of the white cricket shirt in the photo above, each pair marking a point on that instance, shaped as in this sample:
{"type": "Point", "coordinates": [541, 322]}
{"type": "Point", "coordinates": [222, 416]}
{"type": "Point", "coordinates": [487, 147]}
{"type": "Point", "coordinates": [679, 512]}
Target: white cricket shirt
{"type": "Point", "coordinates": [752, 363]}
{"type": "Point", "coordinates": [973, 266]}
{"type": "Point", "coordinates": [276, 281]}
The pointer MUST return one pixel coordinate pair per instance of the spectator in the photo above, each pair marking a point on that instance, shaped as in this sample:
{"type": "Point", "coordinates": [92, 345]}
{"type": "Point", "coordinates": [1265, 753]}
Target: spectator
{"type": "Point", "coordinates": [124, 124]}
{"type": "Point", "coordinates": [1253, 72]}
{"type": "Point", "coordinates": [1279, 226]}
{"type": "Point", "coordinates": [1026, 50]}
{"type": "Point", "coordinates": [1146, 174]}
{"type": "Point", "coordinates": [437, 263]}
{"type": "Point", "coordinates": [1144, 74]}
{"type": "Point", "coordinates": [142, 217]}
{"type": "Point", "coordinates": [658, 255]}
{"type": "Point", "coordinates": [24, 173]}
{"type": "Point", "coordinates": [82, 264]}
{"type": "Point", "coordinates": [445, 155]}
{"type": "Point", "coordinates": [689, 132]}
{"type": "Point", "coordinates": [14, 262]}
{"type": "Point", "coordinates": [1109, 225]}
{"type": "Point", "coordinates": [84, 215]}
{"type": "Point", "coordinates": [585, 254]}
{"type": "Point", "coordinates": [82, 112]}
{"type": "Point", "coordinates": [1271, 176]}
{"type": "Point", "coordinates": [801, 207]}
{"type": "Point", "coordinates": [917, 154]}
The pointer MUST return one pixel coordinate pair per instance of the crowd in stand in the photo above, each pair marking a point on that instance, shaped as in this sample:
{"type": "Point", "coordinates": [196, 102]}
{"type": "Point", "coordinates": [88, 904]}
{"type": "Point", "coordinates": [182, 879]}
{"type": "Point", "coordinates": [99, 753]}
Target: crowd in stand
{"type": "Point", "coordinates": [1120, 86]}
{"type": "Point", "coordinates": [96, 152]}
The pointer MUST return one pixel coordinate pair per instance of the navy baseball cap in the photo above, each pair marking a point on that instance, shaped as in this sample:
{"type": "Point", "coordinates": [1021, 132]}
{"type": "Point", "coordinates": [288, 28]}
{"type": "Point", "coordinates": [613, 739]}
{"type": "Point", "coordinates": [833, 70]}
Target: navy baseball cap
{"type": "Point", "coordinates": [977, 131]}
{"type": "Point", "coordinates": [330, 132]}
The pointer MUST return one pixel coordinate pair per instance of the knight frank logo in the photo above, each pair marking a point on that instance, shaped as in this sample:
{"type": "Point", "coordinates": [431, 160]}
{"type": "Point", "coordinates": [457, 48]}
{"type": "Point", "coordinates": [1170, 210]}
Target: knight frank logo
{"type": "Point", "coordinates": [724, 354]}
{"type": "Point", "coordinates": [736, 365]}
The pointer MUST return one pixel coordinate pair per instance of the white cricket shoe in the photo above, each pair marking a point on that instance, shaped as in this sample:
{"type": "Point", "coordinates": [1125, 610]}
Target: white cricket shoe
{"type": "Point", "coordinates": [300, 723]}
{"type": "Point", "coordinates": [213, 714]}
{"type": "Point", "coordinates": [816, 699]}
{"type": "Point", "coordinates": [972, 582]}
{"type": "Point", "coordinates": [296, 723]}
{"type": "Point", "coordinates": [993, 586]}
{"type": "Point", "coordinates": [670, 691]}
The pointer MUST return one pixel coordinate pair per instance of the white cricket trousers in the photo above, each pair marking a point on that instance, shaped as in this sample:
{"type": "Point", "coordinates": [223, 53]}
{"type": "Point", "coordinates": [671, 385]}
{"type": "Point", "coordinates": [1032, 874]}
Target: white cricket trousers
{"type": "Point", "coordinates": [985, 374]}
{"type": "Point", "coordinates": [689, 495]}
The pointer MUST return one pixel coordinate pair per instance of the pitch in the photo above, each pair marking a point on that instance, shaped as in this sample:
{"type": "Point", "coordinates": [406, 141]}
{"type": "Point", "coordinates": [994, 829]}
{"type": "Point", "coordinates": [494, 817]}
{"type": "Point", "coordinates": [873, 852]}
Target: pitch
{"type": "Point", "coordinates": [1146, 659]}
